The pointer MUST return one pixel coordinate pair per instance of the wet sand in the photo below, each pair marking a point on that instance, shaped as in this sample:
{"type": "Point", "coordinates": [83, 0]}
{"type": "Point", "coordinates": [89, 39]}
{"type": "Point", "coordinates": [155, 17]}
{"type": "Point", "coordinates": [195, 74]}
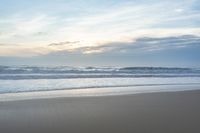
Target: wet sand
{"type": "Point", "coordinates": [165, 112]}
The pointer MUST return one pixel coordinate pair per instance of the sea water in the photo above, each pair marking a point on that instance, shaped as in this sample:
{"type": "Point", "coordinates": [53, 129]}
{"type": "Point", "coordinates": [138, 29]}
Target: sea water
{"type": "Point", "coordinates": [14, 79]}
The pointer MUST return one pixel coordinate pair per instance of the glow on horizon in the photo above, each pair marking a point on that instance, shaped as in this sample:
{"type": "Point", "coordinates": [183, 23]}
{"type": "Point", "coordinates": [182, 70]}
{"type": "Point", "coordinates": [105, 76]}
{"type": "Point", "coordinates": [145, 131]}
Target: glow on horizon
{"type": "Point", "coordinates": [29, 31]}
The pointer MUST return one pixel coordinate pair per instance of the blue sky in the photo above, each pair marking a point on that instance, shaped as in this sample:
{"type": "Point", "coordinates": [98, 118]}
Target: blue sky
{"type": "Point", "coordinates": [100, 32]}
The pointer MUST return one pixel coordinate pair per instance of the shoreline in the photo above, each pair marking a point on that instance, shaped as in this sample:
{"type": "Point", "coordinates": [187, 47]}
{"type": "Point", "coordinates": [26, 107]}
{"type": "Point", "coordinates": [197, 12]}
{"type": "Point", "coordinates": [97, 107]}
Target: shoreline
{"type": "Point", "coordinates": [160, 112]}
{"type": "Point", "coordinates": [96, 92]}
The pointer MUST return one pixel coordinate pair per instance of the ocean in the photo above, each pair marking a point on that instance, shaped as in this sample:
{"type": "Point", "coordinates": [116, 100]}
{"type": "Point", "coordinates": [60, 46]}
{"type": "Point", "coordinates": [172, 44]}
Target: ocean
{"type": "Point", "coordinates": [15, 79]}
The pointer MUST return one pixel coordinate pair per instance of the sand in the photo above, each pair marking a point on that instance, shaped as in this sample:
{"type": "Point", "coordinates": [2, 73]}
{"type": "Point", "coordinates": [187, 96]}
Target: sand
{"type": "Point", "coordinates": [165, 112]}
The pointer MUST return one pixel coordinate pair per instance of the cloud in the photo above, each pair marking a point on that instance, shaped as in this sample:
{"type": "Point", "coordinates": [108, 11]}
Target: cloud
{"type": "Point", "coordinates": [115, 23]}
{"type": "Point", "coordinates": [19, 28]}
{"type": "Point", "coordinates": [147, 51]}
{"type": "Point", "coordinates": [179, 10]}
{"type": "Point", "coordinates": [8, 45]}
{"type": "Point", "coordinates": [120, 22]}
{"type": "Point", "coordinates": [138, 45]}
{"type": "Point", "coordinates": [32, 25]}
{"type": "Point", "coordinates": [18, 51]}
{"type": "Point", "coordinates": [145, 44]}
{"type": "Point", "coordinates": [40, 33]}
{"type": "Point", "coordinates": [63, 43]}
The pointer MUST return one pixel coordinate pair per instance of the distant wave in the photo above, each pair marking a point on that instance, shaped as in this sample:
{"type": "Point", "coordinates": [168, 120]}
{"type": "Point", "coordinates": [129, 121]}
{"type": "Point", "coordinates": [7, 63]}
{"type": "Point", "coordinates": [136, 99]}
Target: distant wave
{"type": "Point", "coordinates": [63, 76]}
{"type": "Point", "coordinates": [62, 72]}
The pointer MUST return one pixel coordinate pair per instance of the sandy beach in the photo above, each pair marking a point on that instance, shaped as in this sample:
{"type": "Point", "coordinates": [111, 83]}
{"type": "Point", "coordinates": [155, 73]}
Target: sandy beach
{"type": "Point", "coordinates": [163, 112]}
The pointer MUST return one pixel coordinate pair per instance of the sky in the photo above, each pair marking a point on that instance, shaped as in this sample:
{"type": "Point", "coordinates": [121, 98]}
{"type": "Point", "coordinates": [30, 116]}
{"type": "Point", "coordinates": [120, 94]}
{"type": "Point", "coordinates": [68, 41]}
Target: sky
{"type": "Point", "coordinates": [100, 32]}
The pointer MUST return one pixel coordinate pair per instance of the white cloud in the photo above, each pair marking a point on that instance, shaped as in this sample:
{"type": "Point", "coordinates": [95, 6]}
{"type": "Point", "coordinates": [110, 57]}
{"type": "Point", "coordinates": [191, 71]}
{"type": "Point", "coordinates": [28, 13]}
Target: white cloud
{"type": "Point", "coordinates": [179, 10]}
{"type": "Point", "coordinates": [33, 25]}
{"type": "Point", "coordinates": [23, 51]}
{"type": "Point", "coordinates": [118, 23]}
{"type": "Point", "coordinates": [22, 29]}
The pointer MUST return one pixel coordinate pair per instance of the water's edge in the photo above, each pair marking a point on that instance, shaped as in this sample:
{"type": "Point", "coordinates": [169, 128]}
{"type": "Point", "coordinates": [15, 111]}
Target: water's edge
{"type": "Point", "coordinates": [93, 92]}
